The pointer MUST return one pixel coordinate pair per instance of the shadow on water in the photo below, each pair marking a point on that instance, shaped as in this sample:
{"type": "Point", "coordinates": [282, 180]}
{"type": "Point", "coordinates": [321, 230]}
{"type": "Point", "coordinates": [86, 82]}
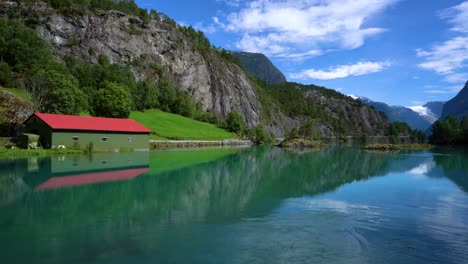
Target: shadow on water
{"type": "Point", "coordinates": [89, 208]}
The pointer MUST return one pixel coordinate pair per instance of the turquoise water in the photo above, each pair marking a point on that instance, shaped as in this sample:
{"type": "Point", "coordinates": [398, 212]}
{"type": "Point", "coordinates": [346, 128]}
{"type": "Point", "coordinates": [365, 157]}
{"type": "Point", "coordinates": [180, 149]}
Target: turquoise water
{"type": "Point", "coordinates": [257, 205]}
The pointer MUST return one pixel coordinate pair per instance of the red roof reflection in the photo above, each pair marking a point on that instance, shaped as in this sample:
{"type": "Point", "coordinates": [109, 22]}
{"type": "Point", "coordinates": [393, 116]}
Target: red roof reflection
{"type": "Point", "coordinates": [90, 178]}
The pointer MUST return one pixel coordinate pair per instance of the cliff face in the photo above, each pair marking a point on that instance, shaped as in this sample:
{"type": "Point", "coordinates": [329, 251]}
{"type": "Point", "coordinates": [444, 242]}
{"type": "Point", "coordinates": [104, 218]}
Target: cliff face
{"type": "Point", "coordinates": [155, 48]}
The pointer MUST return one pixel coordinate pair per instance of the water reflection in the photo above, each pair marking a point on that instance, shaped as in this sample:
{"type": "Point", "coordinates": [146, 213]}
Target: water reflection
{"type": "Point", "coordinates": [223, 207]}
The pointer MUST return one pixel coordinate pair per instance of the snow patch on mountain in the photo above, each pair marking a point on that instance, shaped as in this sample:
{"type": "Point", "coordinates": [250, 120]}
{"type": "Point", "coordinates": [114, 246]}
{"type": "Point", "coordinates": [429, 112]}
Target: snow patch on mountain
{"type": "Point", "coordinates": [425, 112]}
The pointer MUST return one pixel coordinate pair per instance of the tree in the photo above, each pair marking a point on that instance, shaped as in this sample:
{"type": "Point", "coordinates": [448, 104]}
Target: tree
{"type": "Point", "coordinates": [113, 100]}
{"type": "Point", "coordinates": [260, 136]}
{"type": "Point", "coordinates": [464, 130]}
{"type": "Point", "coordinates": [183, 104]}
{"type": "Point", "coordinates": [5, 75]}
{"type": "Point", "coordinates": [145, 95]}
{"type": "Point", "coordinates": [447, 131]}
{"type": "Point", "coordinates": [22, 49]}
{"type": "Point", "coordinates": [65, 101]}
{"type": "Point", "coordinates": [235, 122]}
{"type": "Point", "coordinates": [167, 95]}
{"type": "Point", "coordinates": [55, 92]}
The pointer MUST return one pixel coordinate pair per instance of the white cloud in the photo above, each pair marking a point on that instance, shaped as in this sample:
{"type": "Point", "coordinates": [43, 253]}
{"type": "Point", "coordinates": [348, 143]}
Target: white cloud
{"type": "Point", "coordinates": [443, 90]}
{"type": "Point", "coordinates": [457, 16]}
{"type": "Point", "coordinates": [343, 71]}
{"type": "Point", "coordinates": [231, 3]}
{"type": "Point", "coordinates": [450, 57]}
{"type": "Point", "coordinates": [292, 28]}
{"type": "Point", "coordinates": [447, 57]}
{"type": "Point", "coordinates": [457, 77]}
{"type": "Point", "coordinates": [207, 29]}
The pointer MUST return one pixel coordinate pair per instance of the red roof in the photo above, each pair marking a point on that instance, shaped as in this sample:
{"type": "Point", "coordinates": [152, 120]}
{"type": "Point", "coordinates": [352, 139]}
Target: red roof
{"type": "Point", "coordinates": [89, 123]}
{"type": "Point", "coordinates": [90, 178]}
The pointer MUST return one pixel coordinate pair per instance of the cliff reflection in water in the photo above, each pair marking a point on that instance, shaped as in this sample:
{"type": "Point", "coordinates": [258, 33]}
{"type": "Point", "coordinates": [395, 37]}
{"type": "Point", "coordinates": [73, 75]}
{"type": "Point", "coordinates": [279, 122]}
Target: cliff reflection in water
{"type": "Point", "coordinates": [133, 213]}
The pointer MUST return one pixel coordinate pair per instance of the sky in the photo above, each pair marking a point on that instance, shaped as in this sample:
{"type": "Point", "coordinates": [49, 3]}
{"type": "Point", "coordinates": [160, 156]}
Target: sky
{"type": "Point", "coordinates": [401, 52]}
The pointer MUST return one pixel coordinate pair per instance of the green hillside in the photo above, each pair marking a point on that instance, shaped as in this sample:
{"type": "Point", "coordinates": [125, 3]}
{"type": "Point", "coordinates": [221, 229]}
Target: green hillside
{"type": "Point", "coordinates": [171, 126]}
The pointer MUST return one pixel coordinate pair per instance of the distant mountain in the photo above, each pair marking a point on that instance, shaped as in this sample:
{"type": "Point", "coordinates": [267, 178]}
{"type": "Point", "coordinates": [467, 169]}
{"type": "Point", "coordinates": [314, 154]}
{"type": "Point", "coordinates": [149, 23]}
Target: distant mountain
{"type": "Point", "coordinates": [436, 107]}
{"type": "Point", "coordinates": [458, 106]}
{"type": "Point", "coordinates": [421, 119]}
{"type": "Point", "coordinates": [260, 66]}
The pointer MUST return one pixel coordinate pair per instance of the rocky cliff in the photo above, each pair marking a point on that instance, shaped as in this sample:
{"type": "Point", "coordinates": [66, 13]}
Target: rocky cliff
{"type": "Point", "coordinates": [157, 47]}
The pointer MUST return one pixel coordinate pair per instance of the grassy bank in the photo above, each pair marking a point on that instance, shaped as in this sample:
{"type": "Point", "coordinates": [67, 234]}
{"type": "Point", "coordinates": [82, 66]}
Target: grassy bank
{"type": "Point", "coordinates": [170, 126]}
{"type": "Point", "coordinates": [398, 146]}
{"type": "Point", "coordinates": [18, 153]}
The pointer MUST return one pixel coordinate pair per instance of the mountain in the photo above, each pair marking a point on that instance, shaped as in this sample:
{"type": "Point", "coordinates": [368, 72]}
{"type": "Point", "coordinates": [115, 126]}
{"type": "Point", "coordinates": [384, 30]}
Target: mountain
{"type": "Point", "coordinates": [260, 66]}
{"type": "Point", "coordinates": [152, 46]}
{"type": "Point", "coordinates": [458, 106]}
{"type": "Point", "coordinates": [418, 117]}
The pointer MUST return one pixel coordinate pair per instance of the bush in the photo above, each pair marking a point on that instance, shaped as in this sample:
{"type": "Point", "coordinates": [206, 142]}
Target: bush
{"type": "Point", "coordinates": [260, 136]}
{"type": "Point", "coordinates": [112, 101]}
{"type": "Point", "coordinates": [5, 75]}
{"type": "Point", "coordinates": [55, 92]}
{"type": "Point", "coordinates": [235, 122]}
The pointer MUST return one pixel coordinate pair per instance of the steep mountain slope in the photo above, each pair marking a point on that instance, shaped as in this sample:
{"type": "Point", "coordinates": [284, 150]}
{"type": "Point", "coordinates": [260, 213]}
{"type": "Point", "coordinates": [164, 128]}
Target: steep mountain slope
{"type": "Point", "coordinates": [458, 106]}
{"type": "Point", "coordinates": [400, 114]}
{"type": "Point", "coordinates": [260, 66]}
{"type": "Point", "coordinates": [156, 47]}
{"type": "Point", "coordinates": [220, 86]}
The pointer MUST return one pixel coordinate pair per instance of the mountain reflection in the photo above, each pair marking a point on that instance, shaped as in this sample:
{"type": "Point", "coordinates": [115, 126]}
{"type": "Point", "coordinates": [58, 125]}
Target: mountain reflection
{"type": "Point", "coordinates": [223, 188]}
{"type": "Point", "coordinates": [453, 164]}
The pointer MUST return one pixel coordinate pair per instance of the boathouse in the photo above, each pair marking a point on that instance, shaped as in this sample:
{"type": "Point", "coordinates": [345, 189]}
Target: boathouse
{"type": "Point", "coordinates": [79, 131]}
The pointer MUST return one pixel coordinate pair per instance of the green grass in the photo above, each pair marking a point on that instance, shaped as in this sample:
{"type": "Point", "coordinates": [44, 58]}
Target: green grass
{"type": "Point", "coordinates": [170, 126]}
{"type": "Point", "coordinates": [169, 160]}
{"type": "Point", "coordinates": [18, 153]}
{"type": "Point", "coordinates": [18, 92]}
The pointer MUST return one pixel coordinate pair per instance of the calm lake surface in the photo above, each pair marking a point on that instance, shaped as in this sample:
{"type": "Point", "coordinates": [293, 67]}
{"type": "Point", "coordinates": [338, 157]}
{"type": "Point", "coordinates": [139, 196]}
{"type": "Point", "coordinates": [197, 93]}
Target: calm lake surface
{"type": "Point", "coordinates": [256, 205]}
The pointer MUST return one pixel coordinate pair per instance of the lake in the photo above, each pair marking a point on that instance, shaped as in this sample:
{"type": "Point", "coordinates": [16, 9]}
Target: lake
{"type": "Point", "coordinates": [254, 205]}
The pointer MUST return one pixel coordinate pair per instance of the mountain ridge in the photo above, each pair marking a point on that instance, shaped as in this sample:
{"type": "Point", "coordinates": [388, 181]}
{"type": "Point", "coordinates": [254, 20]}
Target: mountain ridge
{"type": "Point", "coordinates": [260, 66]}
{"type": "Point", "coordinates": [421, 120]}
{"type": "Point", "coordinates": [457, 106]}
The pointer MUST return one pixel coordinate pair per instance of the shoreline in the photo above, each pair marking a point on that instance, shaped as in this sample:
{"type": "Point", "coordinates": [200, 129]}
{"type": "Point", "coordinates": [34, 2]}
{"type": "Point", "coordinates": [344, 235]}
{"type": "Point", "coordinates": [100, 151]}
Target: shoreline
{"type": "Point", "coordinates": [172, 144]}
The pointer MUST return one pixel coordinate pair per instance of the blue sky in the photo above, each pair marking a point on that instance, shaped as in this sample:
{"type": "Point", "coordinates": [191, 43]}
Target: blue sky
{"type": "Point", "coordinates": [402, 52]}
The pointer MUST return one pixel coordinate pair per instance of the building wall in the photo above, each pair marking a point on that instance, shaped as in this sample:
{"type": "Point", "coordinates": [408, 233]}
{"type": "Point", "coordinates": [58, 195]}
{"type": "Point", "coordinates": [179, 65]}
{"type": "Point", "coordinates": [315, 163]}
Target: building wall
{"type": "Point", "coordinates": [101, 140]}
{"type": "Point", "coordinates": [36, 126]}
